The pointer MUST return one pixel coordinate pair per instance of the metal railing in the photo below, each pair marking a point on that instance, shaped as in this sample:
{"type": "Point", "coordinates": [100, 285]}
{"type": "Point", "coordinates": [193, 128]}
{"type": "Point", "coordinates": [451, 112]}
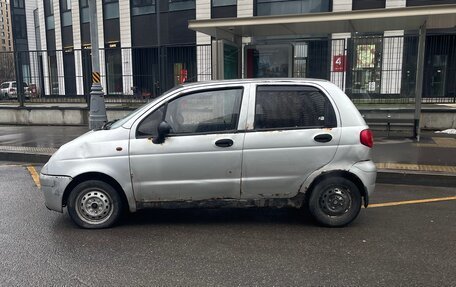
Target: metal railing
{"type": "Point", "coordinates": [371, 69]}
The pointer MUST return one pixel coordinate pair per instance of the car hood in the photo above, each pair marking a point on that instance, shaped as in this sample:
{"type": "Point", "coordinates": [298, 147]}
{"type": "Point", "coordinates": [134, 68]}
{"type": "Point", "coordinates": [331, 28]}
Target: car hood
{"type": "Point", "coordinates": [93, 144]}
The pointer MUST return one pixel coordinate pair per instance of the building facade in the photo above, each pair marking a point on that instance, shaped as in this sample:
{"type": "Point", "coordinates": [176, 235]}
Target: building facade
{"type": "Point", "coordinates": [5, 26]}
{"type": "Point", "coordinates": [147, 48]}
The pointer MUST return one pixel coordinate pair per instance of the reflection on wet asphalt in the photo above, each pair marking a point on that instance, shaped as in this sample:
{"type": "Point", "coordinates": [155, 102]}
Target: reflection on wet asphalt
{"type": "Point", "coordinates": [39, 136]}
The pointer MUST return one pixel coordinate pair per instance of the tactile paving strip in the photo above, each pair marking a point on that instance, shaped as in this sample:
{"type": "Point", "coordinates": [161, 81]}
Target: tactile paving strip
{"type": "Point", "coordinates": [417, 167]}
{"type": "Point", "coordinates": [26, 150]}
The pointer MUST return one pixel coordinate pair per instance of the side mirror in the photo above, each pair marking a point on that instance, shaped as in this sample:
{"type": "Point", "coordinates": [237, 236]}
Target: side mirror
{"type": "Point", "coordinates": [163, 130]}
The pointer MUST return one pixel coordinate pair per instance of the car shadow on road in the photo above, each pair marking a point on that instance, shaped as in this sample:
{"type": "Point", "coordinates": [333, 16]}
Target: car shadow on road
{"type": "Point", "coordinates": [200, 216]}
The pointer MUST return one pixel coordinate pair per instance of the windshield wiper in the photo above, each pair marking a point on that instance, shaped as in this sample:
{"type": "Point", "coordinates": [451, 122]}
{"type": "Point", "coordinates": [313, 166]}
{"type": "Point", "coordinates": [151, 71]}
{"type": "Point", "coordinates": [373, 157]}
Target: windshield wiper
{"type": "Point", "coordinates": [107, 125]}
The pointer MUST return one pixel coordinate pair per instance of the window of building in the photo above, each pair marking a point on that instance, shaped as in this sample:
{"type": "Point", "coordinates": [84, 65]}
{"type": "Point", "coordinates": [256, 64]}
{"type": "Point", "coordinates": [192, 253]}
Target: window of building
{"type": "Point", "coordinates": [85, 12]}
{"type": "Point", "coordinates": [36, 18]}
{"type": "Point", "coordinates": [368, 4]}
{"type": "Point", "coordinates": [280, 7]}
{"type": "Point", "coordinates": [142, 7]}
{"type": "Point", "coordinates": [65, 10]}
{"type": "Point", "coordinates": [48, 7]}
{"type": "Point", "coordinates": [220, 3]}
{"type": "Point", "coordinates": [18, 3]}
{"type": "Point", "coordinates": [20, 28]}
{"type": "Point", "coordinates": [50, 22]}
{"type": "Point", "coordinates": [110, 9]}
{"type": "Point", "coordinates": [289, 107]}
{"type": "Point", "coordinates": [429, 2]}
{"type": "Point", "coordinates": [114, 71]}
{"type": "Point", "coordinates": [49, 14]}
{"type": "Point", "coordinates": [177, 5]}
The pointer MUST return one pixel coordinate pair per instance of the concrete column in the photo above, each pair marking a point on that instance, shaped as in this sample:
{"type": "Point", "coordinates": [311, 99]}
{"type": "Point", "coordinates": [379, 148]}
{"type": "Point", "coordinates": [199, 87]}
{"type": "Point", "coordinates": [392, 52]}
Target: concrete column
{"type": "Point", "coordinates": [339, 45]}
{"type": "Point", "coordinates": [419, 79]}
{"type": "Point", "coordinates": [393, 46]}
{"type": "Point", "coordinates": [46, 89]}
{"type": "Point", "coordinates": [30, 6]}
{"type": "Point", "coordinates": [125, 43]}
{"type": "Point", "coordinates": [101, 43]}
{"type": "Point", "coordinates": [77, 47]}
{"type": "Point", "coordinates": [244, 9]}
{"type": "Point", "coordinates": [342, 5]}
{"type": "Point", "coordinates": [395, 3]}
{"type": "Point", "coordinates": [59, 48]}
{"type": "Point", "coordinates": [203, 53]}
{"type": "Point", "coordinates": [339, 42]}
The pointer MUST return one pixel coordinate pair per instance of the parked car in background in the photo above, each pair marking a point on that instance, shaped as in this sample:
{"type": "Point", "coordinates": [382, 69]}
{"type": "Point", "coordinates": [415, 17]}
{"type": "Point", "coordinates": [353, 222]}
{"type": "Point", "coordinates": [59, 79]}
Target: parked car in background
{"type": "Point", "coordinates": [9, 90]}
{"type": "Point", "coordinates": [296, 143]}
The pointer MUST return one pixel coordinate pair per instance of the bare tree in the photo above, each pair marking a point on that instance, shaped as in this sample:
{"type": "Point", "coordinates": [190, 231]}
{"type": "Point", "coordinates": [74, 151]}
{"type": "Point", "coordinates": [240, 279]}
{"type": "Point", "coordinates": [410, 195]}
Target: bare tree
{"type": "Point", "coordinates": [7, 71]}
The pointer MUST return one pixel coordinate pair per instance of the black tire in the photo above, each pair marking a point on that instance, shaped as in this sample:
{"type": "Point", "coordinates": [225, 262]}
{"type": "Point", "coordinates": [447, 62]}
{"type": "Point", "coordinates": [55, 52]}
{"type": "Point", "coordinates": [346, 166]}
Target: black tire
{"type": "Point", "coordinates": [335, 202]}
{"type": "Point", "coordinates": [94, 204]}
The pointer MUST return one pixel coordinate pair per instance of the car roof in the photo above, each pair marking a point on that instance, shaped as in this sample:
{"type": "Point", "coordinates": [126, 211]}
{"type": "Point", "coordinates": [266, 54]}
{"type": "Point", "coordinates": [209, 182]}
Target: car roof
{"type": "Point", "coordinates": [256, 81]}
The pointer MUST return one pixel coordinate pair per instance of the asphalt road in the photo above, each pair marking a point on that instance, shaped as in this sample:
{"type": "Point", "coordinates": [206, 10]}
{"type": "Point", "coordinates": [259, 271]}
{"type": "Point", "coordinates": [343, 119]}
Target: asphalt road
{"type": "Point", "coordinates": [410, 244]}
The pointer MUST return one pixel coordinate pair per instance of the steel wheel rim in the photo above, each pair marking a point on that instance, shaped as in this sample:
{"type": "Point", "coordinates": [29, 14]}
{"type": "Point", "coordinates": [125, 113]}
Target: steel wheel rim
{"type": "Point", "coordinates": [94, 206]}
{"type": "Point", "coordinates": [335, 201]}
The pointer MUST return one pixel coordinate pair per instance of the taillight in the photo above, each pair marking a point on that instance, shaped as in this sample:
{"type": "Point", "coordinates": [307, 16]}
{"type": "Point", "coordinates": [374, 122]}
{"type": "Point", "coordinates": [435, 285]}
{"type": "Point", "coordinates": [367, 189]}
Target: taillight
{"type": "Point", "coordinates": [12, 90]}
{"type": "Point", "coordinates": [366, 138]}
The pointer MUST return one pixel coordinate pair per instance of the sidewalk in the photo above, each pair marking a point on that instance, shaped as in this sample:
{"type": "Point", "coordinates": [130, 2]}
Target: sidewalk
{"type": "Point", "coordinates": [399, 159]}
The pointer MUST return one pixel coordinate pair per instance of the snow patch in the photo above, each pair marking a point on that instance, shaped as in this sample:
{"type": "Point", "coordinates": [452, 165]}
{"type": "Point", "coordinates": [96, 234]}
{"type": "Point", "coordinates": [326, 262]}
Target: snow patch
{"type": "Point", "coordinates": [448, 131]}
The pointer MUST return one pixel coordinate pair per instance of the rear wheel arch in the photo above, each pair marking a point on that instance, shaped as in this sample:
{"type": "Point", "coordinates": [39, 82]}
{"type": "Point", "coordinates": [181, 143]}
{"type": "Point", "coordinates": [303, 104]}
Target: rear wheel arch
{"type": "Point", "coordinates": [342, 174]}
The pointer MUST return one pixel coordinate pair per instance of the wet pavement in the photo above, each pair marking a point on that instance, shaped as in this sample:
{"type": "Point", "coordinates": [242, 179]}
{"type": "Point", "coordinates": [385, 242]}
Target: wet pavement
{"type": "Point", "coordinates": [405, 245]}
{"type": "Point", "coordinates": [39, 136]}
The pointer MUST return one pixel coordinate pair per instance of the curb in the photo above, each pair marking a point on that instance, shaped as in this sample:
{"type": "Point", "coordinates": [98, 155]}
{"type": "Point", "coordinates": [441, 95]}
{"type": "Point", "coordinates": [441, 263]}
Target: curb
{"type": "Point", "coordinates": [24, 157]}
{"type": "Point", "coordinates": [408, 177]}
{"type": "Point", "coordinates": [26, 154]}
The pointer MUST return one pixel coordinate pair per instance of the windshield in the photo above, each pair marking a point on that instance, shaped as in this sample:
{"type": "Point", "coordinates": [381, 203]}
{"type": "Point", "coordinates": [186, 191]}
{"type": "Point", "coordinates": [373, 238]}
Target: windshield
{"type": "Point", "coordinates": [139, 110]}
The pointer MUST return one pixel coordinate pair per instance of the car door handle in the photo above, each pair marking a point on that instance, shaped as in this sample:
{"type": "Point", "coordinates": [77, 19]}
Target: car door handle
{"type": "Point", "coordinates": [224, 143]}
{"type": "Point", "coordinates": [323, 138]}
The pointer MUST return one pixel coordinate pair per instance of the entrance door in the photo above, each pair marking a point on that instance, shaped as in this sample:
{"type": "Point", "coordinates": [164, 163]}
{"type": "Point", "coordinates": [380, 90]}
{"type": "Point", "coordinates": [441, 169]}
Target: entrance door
{"type": "Point", "coordinates": [439, 68]}
{"type": "Point", "coordinates": [200, 159]}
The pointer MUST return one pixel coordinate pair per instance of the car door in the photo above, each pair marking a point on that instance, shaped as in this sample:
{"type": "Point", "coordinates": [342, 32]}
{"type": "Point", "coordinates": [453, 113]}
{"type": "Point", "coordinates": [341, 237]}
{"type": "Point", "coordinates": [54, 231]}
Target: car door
{"type": "Point", "coordinates": [201, 157]}
{"type": "Point", "coordinates": [293, 132]}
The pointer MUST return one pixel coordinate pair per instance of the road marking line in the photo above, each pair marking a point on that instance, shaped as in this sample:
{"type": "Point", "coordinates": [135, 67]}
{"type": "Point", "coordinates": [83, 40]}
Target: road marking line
{"type": "Point", "coordinates": [35, 175]}
{"type": "Point", "coordinates": [395, 203]}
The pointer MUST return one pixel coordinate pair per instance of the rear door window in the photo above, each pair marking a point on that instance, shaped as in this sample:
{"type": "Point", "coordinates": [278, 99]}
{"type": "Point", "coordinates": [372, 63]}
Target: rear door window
{"type": "Point", "coordinates": [292, 107]}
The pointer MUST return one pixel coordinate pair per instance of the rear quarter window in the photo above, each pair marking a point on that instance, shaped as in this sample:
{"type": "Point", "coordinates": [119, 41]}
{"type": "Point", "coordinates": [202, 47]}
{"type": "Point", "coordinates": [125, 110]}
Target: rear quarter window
{"type": "Point", "coordinates": [292, 107]}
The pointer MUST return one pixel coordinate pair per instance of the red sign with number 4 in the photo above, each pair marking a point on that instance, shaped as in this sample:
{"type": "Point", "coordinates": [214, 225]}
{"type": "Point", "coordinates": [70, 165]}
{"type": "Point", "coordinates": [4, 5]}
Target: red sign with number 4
{"type": "Point", "coordinates": [339, 63]}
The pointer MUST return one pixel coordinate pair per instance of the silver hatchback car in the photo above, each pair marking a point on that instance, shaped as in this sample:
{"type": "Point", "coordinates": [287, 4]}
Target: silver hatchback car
{"type": "Point", "coordinates": [243, 143]}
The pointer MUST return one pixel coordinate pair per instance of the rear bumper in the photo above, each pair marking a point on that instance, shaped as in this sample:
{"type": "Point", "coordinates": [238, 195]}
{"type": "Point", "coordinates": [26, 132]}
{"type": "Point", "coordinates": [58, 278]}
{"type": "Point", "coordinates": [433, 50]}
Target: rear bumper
{"type": "Point", "coordinates": [366, 171]}
{"type": "Point", "coordinates": [53, 187]}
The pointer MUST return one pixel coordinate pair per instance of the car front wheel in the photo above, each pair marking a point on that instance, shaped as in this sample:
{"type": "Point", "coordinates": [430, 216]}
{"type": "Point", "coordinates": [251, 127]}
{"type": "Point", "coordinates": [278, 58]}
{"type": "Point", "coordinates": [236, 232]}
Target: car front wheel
{"type": "Point", "coordinates": [94, 204]}
{"type": "Point", "coordinates": [335, 202]}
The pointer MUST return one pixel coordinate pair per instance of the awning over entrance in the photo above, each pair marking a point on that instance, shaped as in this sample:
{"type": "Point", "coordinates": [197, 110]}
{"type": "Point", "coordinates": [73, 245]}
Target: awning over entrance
{"type": "Point", "coordinates": [378, 20]}
{"type": "Point", "coordinates": [419, 19]}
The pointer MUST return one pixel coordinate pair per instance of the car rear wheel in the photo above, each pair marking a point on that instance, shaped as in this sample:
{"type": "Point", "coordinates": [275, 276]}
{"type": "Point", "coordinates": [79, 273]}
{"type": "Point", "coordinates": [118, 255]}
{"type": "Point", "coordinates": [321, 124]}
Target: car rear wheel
{"type": "Point", "coordinates": [94, 204]}
{"type": "Point", "coordinates": [335, 202]}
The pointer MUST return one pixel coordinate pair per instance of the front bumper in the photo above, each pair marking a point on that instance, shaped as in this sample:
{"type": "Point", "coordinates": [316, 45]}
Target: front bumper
{"type": "Point", "coordinates": [53, 187]}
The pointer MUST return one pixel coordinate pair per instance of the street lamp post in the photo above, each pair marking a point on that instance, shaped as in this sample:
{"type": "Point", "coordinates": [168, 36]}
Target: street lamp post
{"type": "Point", "coordinates": [97, 113]}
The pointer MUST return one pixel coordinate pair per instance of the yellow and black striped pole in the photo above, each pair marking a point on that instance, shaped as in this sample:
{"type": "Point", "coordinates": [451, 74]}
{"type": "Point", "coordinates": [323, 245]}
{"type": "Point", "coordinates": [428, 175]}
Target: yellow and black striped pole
{"type": "Point", "coordinates": [96, 79]}
{"type": "Point", "coordinates": [97, 114]}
